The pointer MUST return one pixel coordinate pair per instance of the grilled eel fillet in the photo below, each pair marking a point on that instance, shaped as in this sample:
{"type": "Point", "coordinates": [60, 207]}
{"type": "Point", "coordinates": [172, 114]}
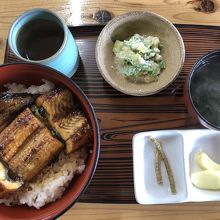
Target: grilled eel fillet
{"type": "Point", "coordinates": [57, 103]}
{"type": "Point", "coordinates": [7, 185]}
{"type": "Point", "coordinates": [26, 146]}
{"type": "Point", "coordinates": [13, 137]}
{"type": "Point", "coordinates": [71, 125]}
{"type": "Point", "coordinates": [10, 105]}
{"type": "Point", "coordinates": [37, 152]}
{"type": "Point", "coordinates": [80, 138]}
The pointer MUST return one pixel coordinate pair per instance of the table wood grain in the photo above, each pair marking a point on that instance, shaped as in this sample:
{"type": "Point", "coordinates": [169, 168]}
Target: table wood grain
{"type": "Point", "coordinates": [77, 12]}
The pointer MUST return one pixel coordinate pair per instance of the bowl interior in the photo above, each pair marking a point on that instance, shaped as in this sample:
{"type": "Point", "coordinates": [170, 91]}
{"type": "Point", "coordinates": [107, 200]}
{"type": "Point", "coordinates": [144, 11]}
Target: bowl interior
{"type": "Point", "coordinates": [125, 26]}
{"type": "Point", "coordinates": [204, 91]}
{"type": "Point", "coordinates": [32, 74]}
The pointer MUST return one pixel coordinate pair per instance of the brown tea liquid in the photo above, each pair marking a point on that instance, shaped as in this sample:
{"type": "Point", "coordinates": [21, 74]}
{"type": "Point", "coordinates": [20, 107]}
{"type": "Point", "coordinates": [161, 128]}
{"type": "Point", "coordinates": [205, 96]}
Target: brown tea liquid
{"type": "Point", "coordinates": [39, 39]}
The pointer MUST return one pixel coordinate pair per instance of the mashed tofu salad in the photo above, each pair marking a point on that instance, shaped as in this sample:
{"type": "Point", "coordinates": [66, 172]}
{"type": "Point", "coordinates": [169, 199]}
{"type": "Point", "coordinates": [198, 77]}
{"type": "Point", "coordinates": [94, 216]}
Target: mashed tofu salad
{"type": "Point", "coordinates": [139, 58]}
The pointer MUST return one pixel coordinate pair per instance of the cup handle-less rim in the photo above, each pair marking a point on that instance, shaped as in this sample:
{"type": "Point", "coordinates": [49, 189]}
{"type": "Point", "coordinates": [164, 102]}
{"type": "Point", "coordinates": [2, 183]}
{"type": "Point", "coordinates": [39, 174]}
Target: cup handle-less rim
{"type": "Point", "coordinates": [18, 19]}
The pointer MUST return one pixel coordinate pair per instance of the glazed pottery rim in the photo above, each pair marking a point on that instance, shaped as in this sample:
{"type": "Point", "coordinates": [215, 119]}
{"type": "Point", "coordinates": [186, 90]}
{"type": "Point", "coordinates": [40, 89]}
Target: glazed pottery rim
{"type": "Point", "coordinates": [134, 14]}
{"type": "Point", "coordinates": [197, 64]}
{"type": "Point", "coordinates": [97, 137]}
{"type": "Point", "coordinates": [17, 20]}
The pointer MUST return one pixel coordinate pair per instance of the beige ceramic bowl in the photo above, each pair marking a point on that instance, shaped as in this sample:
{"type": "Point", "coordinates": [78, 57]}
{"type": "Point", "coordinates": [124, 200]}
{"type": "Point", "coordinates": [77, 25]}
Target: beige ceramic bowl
{"type": "Point", "coordinates": [144, 23]}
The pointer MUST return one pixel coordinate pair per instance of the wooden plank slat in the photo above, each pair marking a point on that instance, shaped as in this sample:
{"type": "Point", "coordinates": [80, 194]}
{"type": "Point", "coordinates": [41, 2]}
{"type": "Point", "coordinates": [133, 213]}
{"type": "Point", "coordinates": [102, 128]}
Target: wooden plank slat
{"type": "Point", "coordinates": [184, 211]}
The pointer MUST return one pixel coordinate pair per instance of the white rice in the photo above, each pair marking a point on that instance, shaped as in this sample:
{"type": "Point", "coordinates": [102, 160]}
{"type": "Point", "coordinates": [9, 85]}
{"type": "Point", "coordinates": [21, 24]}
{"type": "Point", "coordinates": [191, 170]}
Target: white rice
{"type": "Point", "coordinates": [21, 88]}
{"type": "Point", "coordinates": [51, 183]}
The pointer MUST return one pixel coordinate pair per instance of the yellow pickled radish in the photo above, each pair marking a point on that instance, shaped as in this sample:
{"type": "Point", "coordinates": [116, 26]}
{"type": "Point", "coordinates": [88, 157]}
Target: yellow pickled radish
{"type": "Point", "coordinates": [207, 179]}
{"type": "Point", "coordinates": [205, 162]}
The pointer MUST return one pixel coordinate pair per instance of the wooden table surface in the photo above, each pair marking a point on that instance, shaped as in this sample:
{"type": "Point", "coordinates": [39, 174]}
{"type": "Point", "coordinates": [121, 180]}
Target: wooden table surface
{"type": "Point", "coordinates": [79, 12]}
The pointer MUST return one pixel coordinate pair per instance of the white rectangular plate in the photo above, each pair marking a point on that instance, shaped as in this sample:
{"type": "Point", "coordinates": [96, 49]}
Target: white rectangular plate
{"type": "Point", "coordinates": [180, 147]}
